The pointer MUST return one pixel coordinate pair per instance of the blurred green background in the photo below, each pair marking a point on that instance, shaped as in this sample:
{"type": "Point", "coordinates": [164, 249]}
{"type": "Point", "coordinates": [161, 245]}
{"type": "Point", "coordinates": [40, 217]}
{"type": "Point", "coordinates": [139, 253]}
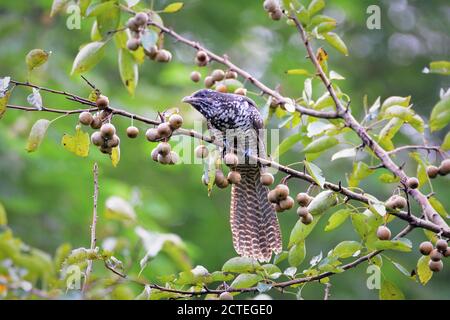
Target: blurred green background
{"type": "Point", "coordinates": [48, 194]}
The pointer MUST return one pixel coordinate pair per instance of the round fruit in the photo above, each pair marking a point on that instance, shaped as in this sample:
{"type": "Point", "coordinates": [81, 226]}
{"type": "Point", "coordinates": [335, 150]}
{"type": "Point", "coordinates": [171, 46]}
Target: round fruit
{"type": "Point", "coordinates": [302, 212]}
{"type": "Point", "coordinates": [96, 122]}
{"type": "Point", "coordinates": [174, 157]}
{"type": "Point", "coordinates": [102, 102]}
{"type": "Point", "coordinates": [383, 233]}
{"type": "Point", "coordinates": [195, 76]}
{"type": "Point", "coordinates": [231, 159]}
{"type": "Point", "coordinates": [241, 91]}
{"type": "Point", "coordinates": [152, 52]}
{"type": "Point", "coordinates": [287, 203]}
{"type": "Point", "coordinates": [225, 296]}
{"type": "Point", "coordinates": [230, 74]}
{"type": "Point", "coordinates": [272, 196]}
{"type": "Point", "coordinates": [425, 248]}
{"type": "Point", "coordinates": [154, 154]}
{"type": "Point", "coordinates": [97, 139]}
{"type": "Point", "coordinates": [303, 199]}
{"type": "Point", "coordinates": [132, 24]}
{"type": "Point", "coordinates": [270, 5]}
{"type": "Point", "coordinates": [218, 75]}
{"type": "Point", "coordinates": [132, 132]}
{"type": "Point", "coordinates": [222, 184]}
{"type": "Point", "coordinates": [222, 88]}
{"type": "Point", "coordinates": [107, 130]}
{"type": "Point", "coordinates": [85, 118]}
{"type": "Point", "coordinates": [276, 15]}
{"type": "Point", "coordinates": [202, 56]}
{"type": "Point", "coordinates": [441, 245]}
{"type": "Point", "coordinates": [307, 219]}
{"type": "Point", "coordinates": [282, 191]}
{"type": "Point", "coordinates": [163, 159]}
{"type": "Point", "coordinates": [267, 178]}
{"type": "Point", "coordinates": [435, 266]}
{"type": "Point", "coordinates": [435, 255]}
{"type": "Point", "coordinates": [209, 82]}
{"type": "Point", "coordinates": [141, 18]}
{"type": "Point", "coordinates": [164, 130]}
{"type": "Point", "coordinates": [219, 177]}
{"type": "Point", "coordinates": [164, 148]}
{"type": "Point", "coordinates": [400, 202]}
{"type": "Point", "coordinates": [163, 56]}
{"type": "Point", "coordinates": [447, 252]}
{"type": "Point", "coordinates": [432, 171]}
{"type": "Point", "coordinates": [412, 183]}
{"type": "Point", "coordinates": [175, 121]}
{"type": "Point", "coordinates": [105, 149]}
{"type": "Point", "coordinates": [113, 142]}
{"type": "Point", "coordinates": [444, 168]}
{"type": "Point", "coordinates": [277, 207]}
{"type": "Point", "coordinates": [234, 177]}
{"type": "Point", "coordinates": [133, 44]}
{"type": "Point", "coordinates": [152, 135]}
{"type": "Point", "coordinates": [201, 152]}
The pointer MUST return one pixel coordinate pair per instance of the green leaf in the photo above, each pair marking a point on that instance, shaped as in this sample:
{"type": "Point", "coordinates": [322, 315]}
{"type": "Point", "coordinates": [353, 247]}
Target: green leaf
{"type": "Point", "coordinates": [128, 70]}
{"type": "Point", "coordinates": [287, 144]}
{"type": "Point", "coordinates": [337, 219]}
{"type": "Point", "coordinates": [346, 249]}
{"type": "Point", "coordinates": [315, 6]}
{"type": "Point", "coordinates": [334, 40]}
{"type": "Point", "coordinates": [95, 34]}
{"type": "Point", "coordinates": [108, 20]}
{"type": "Point", "coordinates": [4, 98]}
{"type": "Point", "coordinates": [57, 6]}
{"type": "Point", "coordinates": [445, 144]}
{"type": "Point", "coordinates": [36, 58]}
{"type": "Point", "coordinates": [402, 245]}
{"type": "Point", "coordinates": [344, 153]}
{"type": "Point", "coordinates": [302, 72]}
{"type": "Point", "coordinates": [423, 270]}
{"type": "Point", "coordinates": [297, 254]}
{"type": "Point", "coordinates": [417, 123]}
{"type": "Point", "coordinates": [118, 208]}
{"type": "Point", "coordinates": [390, 291]}
{"type": "Point", "coordinates": [388, 178]}
{"type": "Point", "coordinates": [173, 7]}
{"type": "Point", "coordinates": [88, 56]}
{"type": "Point", "coordinates": [322, 202]}
{"type": "Point", "coordinates": [77, 144]}
{"type": "Point", "coordinates": [324, 101]}
{"type": "Point", "coordinates": [321, 144]}
{"type": "Point", "coordinates": [3, 216]}
{"type": "Point", "coordinates": [37, 134]}
{"type": "Point", "coordinates": [335, 76]}
{"type": "Point", "coordinates": [326, 27]}
{"type": "Point", "coordinates": [395, 101]}
{"type": "Point", "coordinates": [317, 127]}
{"type": "Point", "coordinates": [315, 172]}
{"type": "Point", "coordinates": [97, 9]}
{"type": "Point", "coordinates": [241, 265]}
{"type": "Point", "coordinates": [440, 116]}
{"type": "Point", "coordinates": [400, 112]}
{"type": "Point", "coordinates": [359, 222]}
{"type": "Point", "coordinates": [438, 206]}
{"type": "Point", "coordinates": [301, 231]}
{"type": "Point", "coordinates": [439, 67]}
{"type": "Point", "coordinates": [245, 280]}
{"type": "Point", "coordinates": [360, 172]}
{"type": "Point", "coordinates": [402, 269]}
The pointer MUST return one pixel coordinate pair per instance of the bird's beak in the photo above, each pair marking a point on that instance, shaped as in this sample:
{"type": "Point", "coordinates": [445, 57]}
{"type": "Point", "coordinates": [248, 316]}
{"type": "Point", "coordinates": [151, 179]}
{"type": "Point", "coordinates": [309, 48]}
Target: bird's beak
{"type": "Point", "coordinates": [188, 99]}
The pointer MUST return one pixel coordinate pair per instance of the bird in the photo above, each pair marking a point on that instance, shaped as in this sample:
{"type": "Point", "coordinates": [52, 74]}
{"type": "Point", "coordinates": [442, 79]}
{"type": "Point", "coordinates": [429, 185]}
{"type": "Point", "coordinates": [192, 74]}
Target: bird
{"type": "Point", "coordinates": [235, 119]}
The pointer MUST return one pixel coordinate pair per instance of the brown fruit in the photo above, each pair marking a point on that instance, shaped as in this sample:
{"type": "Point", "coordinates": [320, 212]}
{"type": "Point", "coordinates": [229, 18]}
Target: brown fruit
{"type": "Point", "coordinates": [152, 52]}
{"type": "Point", "coordinates": [270, 5]}
{"type": "Point", "coordinates": [96, 122]}
{"type": "Point", "coordinates": [435, 255]}
{"type": "Point", "coordinates": [219, 177]}
{"type": "Point", "coordinates": [163, 56]}
{"type": "Point", "coordinates": [97, 139]}
{"type": "Point", "coordinates": [133, 44]}
{"type": "Point", "coordinates": [447, 252]}
{"type": "Point", "coordinates": [141, 18]}
{"type": "Point", "coordinates": [132, 132]}
{"type": "Point", "coordinates": [425, 248]}
{"type": "Point", "coordinates": [435, 266]}
{"type": "Point", "coordinates": [196, 76]}
{"type": "Point", "coordinates": [164, 148]}
{"type": "Point", "coordinates": [400, 202]}
{"type": "Point", "coordinates": [230, 74]}
{"type": "Point", "coordinates": [174, 157]}
{"type": "Point", "coordinates": [383, 233]}
{"type": "Point", "coordinates": [107, 130]}
{"type": "Point", "coordinates": [234, 177]}
{"type": "Point", "coordinates": [201, 63]}
{"type": "Point", "coordinates": [412, 183]}
{"type": "Point", "coordinates": [241, 91]}
{"type": "Point", "coordinates": [282, 191]}
{"type": "Point", "coordinates": [276, 15]}
{"type": "Point", "coordinates": [132, 24]}
{"type": "Point", "coordinates": [444, 168]}
{"type": "Point", "coordinates": [277, 207]}
{"type": "Point", "coordinates": [154, 154]}
{"type": "Point", "coordinates": [267, 178]}
{"type": "Point", "coordinates": [272, 196]}
{"type": "Point", "coordinates": [164, 130]}
{"type": "Point", "coordinates": [102, 102]}
{"type": "Point", "coordinates": [218, 75]}
{"type": "Point", "coordinates": [432, 171]}
{"type": "Point", "coordinates": [222, 88]}
{"type": "Point", "coordinates": [106, 150]}
{"type": "Point", "coordinates": [308, 219]}
{"type": "Point", "coordinates": [222, 184]}
{"type": "Point", "coordinates": [201, 56]}
{"type": "Point", "coordinates": [152, 135]}
{"type": "Point", "coordinates": [209, 82]}
{"type": "Point", "coordinates": [86, 118]}
{"type": "Point", "coordinates": [287, 203]}
{"type": "Point", "coordinates": [175, 121]}
{"type": "Point", "coordinates": [231, 160]}
{"type": "Point", "coordinates": [303, 199]}
{"type": "Point", "coordinates": [225, 296]}
{"type": "Point", "coordinates": [201, 152]}
{"type": "Point", "coordinates": [441, 245]}
{"type": "Point", "coordinates": [163, 159]}
{"type": "Point", "coordinates": [113, 142]}
{"type": "Point", "coordinates": [302, 212]}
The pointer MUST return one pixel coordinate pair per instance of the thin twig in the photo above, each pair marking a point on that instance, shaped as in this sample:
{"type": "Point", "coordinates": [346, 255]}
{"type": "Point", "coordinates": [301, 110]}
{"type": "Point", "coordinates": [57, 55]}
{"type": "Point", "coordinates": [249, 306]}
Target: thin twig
{"type": "Point", "coordinates": [327, 293]}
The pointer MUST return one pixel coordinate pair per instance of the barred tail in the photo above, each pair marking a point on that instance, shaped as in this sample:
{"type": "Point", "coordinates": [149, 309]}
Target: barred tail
{"type": "Point", "coordinates": [254, 223]}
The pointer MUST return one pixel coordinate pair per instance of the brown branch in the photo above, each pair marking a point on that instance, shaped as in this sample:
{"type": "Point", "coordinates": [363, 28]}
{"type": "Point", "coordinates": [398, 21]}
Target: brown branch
{"type": "Point", "coordinates": [352, 123]}
{"type": "Point", "coordinates": [405, 148]}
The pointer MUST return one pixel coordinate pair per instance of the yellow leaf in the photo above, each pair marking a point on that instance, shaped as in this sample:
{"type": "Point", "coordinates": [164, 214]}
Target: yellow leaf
{"type": "Point", "coordinates": [173, 7]}
{"type": "Point", "coordinates": [77, 144]}
{"type": "Point", "coordinates": [115, 156]}
{"type": "Point", "coordinates": [36, 58]}
{"type": "Point", "coordinates": [37, 134]}
{"type": "Point", "coordinates": [3, 218]}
